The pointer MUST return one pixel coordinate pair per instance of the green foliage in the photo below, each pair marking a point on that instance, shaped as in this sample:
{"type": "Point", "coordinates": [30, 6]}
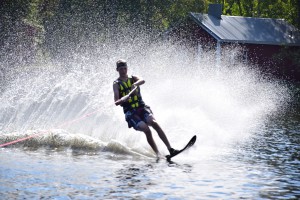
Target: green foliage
{"type": "Point", "coordinates": [283, 9]}
{"type": "Point", "coordinates": [104, 20]}
{"type": "Point", "coordinates": [61, 25]}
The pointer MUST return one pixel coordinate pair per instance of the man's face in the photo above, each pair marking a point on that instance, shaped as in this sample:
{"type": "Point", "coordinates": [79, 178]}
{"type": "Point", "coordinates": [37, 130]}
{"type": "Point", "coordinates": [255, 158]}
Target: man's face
{"type": "Point", "coordinates": [122, 70]}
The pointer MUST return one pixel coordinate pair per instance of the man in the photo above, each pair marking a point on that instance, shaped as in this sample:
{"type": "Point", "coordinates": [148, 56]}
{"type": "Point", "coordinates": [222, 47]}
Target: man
{"type": "Point", "coordinates": [137, 114]}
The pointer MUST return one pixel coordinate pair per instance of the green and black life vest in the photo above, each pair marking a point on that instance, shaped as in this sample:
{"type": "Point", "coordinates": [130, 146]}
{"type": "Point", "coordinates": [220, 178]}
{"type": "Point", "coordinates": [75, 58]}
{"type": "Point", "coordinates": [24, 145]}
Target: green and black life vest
{"type": "Point", "coordinates": [135, 100]}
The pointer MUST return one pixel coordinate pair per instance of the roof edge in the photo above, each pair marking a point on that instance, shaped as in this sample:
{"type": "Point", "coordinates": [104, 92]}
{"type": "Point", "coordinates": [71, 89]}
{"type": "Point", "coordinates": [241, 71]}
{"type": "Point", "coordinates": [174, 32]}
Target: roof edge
{"type": "Point", "coordinates": [204, 27]}
{"type": "Point", "coordinates": [215, 36]}
{"type": "Point", "coordinates": [261, 43]}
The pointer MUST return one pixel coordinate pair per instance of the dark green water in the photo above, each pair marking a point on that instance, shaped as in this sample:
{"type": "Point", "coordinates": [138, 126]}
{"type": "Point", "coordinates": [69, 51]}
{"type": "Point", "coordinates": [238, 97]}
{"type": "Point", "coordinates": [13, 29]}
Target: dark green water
{"type": "Point", "coordinates": [265, 167]}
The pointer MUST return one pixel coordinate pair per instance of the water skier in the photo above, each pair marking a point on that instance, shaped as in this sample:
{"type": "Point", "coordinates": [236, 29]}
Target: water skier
{"type": "Point", "coordinates": [137, 114]}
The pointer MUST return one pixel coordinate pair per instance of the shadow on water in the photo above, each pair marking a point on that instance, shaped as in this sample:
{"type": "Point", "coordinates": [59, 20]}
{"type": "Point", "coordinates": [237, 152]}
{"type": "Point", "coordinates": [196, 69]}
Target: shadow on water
{"type": "Point", "coordinates": [132, 179]}
{"type": "Point", "coordinates": [186, 168]}
{"type": "Point", "coordinates": [135, 180]}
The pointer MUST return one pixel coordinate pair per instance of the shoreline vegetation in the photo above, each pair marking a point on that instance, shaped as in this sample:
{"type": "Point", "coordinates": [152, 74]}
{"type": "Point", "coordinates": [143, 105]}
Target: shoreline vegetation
{"type": "Point", "coordinates": [35, 32]}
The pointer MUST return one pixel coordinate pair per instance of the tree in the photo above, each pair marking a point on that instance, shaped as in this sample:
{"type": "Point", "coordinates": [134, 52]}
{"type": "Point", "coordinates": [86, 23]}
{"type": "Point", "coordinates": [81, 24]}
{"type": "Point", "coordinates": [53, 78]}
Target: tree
{"type": "Point", "coordinates": [283, 9]}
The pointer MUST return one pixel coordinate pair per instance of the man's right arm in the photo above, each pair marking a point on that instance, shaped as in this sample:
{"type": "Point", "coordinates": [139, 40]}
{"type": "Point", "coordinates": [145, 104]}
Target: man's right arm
{"type": "Point", "coordinates": [118, 100]}
{"type": "Point", "coordinates": [116, 94]}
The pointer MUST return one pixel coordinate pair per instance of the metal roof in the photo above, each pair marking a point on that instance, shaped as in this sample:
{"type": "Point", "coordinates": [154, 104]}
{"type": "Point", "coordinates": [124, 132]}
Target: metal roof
{"type": "Point", "coordinates": [248, 29]}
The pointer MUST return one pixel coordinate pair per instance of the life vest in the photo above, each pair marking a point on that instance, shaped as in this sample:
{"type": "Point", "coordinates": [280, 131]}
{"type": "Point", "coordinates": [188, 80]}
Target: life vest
{"type": "Point", "coordinates": [135, 100]}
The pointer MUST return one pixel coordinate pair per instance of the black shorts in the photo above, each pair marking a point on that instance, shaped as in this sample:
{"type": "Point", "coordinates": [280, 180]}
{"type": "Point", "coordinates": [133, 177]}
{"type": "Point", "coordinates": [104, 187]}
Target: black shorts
{"type": "Point", "coordinates": [134, 117]}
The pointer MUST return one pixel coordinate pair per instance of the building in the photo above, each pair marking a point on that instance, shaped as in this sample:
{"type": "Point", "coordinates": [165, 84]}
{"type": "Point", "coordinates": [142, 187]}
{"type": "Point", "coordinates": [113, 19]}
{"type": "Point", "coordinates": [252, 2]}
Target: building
{"type": "Point", "coordinates": [262, 41]}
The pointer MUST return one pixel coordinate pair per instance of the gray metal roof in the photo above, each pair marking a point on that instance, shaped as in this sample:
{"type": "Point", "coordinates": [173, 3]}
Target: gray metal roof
{"type": "Point", "coordinates": [248, 29]}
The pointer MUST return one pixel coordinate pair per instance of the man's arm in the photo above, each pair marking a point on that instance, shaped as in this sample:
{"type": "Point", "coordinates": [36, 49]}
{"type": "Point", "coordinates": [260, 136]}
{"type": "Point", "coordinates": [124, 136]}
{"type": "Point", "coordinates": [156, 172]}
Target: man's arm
{"type": "Point", "coordinates": [116, 94]}
{"type": "Point", "coordinates": [137, 81]}
{"type": "Point", "coordinates": [118, 100]}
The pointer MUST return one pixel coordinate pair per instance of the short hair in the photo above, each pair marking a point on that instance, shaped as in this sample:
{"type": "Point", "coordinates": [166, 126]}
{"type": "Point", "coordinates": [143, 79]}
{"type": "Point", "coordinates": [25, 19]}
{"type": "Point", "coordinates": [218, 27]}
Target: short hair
{"type": "Point", "coordinates": [121, 63]}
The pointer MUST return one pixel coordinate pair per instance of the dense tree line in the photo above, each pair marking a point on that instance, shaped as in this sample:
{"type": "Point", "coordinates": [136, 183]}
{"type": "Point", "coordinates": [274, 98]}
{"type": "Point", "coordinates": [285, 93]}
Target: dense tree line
{"type": "Point", "coordinates": [32, 29]}
{"type": "Point", "coordinates": [284, 9]}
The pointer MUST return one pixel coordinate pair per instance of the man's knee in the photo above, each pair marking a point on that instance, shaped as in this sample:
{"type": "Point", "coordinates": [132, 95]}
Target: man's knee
{"type": "Point", "coordinates": [151, 121]}
{"type": "Point", "coordinates": [142, 126]}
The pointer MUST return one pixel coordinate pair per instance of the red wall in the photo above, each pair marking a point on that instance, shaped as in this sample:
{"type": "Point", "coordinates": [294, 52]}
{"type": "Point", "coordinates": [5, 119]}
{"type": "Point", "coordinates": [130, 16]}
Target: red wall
{"type": "Point", "coordinates": [265, 57]}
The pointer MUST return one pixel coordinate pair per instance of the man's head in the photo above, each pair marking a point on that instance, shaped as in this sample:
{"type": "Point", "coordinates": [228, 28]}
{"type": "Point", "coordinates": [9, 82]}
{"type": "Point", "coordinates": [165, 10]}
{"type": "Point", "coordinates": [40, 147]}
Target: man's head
{"type": "Point", "coordinates": [121, 64]}
{"type": "Point", "coordinates": [122, 68]}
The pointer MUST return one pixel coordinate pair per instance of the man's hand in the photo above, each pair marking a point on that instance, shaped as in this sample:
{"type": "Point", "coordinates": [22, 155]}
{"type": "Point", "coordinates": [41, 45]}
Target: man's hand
{"type": "Point", "coordinates": [133, 87]}
{"type": "Point", "coordinates": [122, 100]}
{"type": "Point", "coordinates": [126, 97]}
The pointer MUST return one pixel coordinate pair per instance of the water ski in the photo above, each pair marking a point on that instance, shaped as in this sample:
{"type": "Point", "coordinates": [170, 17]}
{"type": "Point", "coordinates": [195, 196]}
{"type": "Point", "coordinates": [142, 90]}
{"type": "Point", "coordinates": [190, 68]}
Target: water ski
{"type": "Point", "coordinates": [189, 144]}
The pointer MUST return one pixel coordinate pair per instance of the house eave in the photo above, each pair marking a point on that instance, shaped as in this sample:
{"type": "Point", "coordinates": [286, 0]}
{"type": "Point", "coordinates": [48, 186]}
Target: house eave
{"type": "Point", "coordinates": [204, 27]}
{"type": "Point", "coordinates": [258, 42]}
{"type": "Point", "coordinates": [218, 39]}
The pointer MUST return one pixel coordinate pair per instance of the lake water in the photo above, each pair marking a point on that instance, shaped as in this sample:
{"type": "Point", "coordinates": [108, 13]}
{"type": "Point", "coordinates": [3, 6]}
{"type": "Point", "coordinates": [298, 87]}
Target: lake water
{"type": "Point", "coordinates": [247, 128]}
{"type": "Point", "coordinates": [267, 167]}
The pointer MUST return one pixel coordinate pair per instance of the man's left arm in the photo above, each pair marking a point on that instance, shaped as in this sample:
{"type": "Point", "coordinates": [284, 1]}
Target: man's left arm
{"type": "Point", "coordinates": [137, 81]}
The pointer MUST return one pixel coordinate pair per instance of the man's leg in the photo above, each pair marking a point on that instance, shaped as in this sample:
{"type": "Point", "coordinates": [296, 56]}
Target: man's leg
{"type": "Point", "coordinates": [135, 121]}
{"type": "Point", "coordinates": [152, 122]}
{"type": "Point", "coordinates": [142, 126]}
